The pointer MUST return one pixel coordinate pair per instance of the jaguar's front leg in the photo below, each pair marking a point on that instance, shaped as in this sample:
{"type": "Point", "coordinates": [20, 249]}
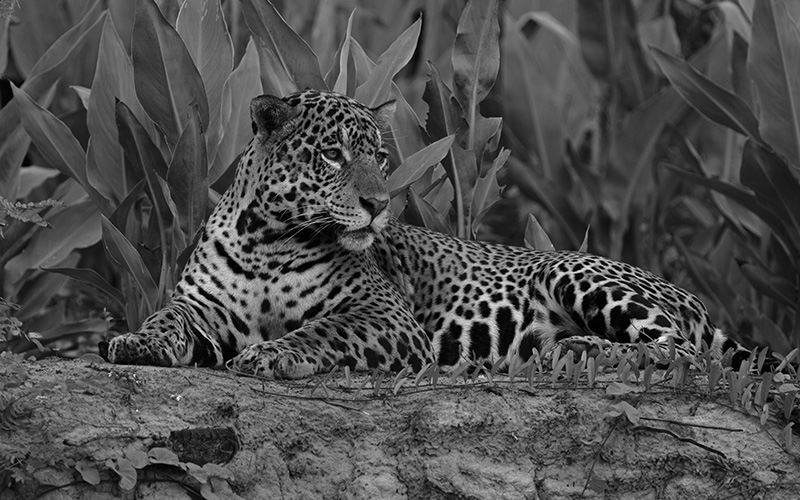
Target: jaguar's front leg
{"type": "Point", "coordinates": [345, 340]}
{"type": "Point", "coordinates": [167, 338]}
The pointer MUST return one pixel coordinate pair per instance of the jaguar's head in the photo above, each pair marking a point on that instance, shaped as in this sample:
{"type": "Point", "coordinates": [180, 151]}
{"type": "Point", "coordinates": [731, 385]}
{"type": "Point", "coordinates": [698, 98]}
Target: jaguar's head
{"type": "Point", "coordinates": [322, 164]}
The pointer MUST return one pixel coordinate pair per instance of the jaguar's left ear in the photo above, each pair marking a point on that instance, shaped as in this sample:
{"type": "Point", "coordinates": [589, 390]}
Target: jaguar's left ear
{"type": "Point", "coordinates": [384, 114]}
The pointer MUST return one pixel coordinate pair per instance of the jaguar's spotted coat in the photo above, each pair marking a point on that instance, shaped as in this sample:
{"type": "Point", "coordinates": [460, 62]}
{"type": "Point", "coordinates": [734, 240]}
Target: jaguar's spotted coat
{"type": "Point", "coordinates": [301, 267]}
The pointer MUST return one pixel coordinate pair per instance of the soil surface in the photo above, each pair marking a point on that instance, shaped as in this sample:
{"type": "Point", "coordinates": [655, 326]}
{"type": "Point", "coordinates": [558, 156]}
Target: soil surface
{"type": "Point", "coordinates": [145, 432]}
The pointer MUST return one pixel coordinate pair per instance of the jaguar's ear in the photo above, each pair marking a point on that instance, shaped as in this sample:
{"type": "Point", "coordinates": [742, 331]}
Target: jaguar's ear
{"type": "Point", "coordinates": [268, 113]}
{"type": "Point", "coordinates": [384, 114]}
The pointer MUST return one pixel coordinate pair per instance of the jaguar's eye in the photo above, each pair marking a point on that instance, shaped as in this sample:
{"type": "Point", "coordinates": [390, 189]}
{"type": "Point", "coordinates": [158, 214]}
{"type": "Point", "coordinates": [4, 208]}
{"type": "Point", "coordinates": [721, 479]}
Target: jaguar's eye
{"type": "Point", "coordinates": [333, 154]}
{"type": "Point", "coordinates": [381, 156]}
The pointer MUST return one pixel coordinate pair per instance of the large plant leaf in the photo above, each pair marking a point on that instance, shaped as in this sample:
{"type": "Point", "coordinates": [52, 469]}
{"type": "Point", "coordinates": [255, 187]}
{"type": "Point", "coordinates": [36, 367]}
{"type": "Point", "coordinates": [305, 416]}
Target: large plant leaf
{"type": "Point", "coordinates": [242, 85]}
{"type": "Point", "coordinates": [422, 213]}
{"type": "Point", "coordinates": [415, 165]}
{"type": "Point", "coordinates": [53, 139]}
{"type": "Point", "coordinates": [476, 57]}
{"type": "Point", "coordinates": [166, 79]}
{"type": "Point", "coordinates": [91, 277]}
{"type": "Point", "coordinates": [4, 22]}
{"type": "Point", "coordinates": [407, 137]}
{"type": "Point", "coordinates": [773, 65]}
{"type": "Point", "coordinates": [375, 91]}
{"type": "Point", "coordinates": [145, 158]}
{"type": "Point", "coordinates": [612, 50]}
{"type": "Point", "coordinates": [75, 226]}
{"type": "Point", "coordinates": [708, 98]}
{"type": "Point", "coordinates": [187, 177]}
{"type": "Point", "coordinates": [443, 110]}
{"type": "Point", "coordinates": [202, 27]}
{"type": "Point", "coordinates": [13, 149]}
{"type": "Point", "coordinates": [536, 237]}
{"type": "Point", "coordinates": [123, 252]}
{"type": "Point", "coordinates": [487, 191]}
{"type": "Point", "coordinates": [274, 78]}
{"type": "Point", "coordinates": [344, 78]}
{"type": "Point", "coordinates": [55, 142]}
{"type": "Point", "coordinates": [296, 56]}
{"type": "Point", "coordinates": [768, 175]}
{"type": "Point", "coordinates": [771, 285]}
{"type": "Point", "coordinates": [38, 26]}
{"type": "Point", "coordinates": [532, 113]}
{"type": "Point", "coordinates": [113, 80]}
{"type": "Point", "coordinates": [40, 86]}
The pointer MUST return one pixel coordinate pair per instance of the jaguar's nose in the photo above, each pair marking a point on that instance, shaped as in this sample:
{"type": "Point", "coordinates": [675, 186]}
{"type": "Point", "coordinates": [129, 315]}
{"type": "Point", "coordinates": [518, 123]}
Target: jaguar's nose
{"type": "Point", "coordinates": [373, 205]}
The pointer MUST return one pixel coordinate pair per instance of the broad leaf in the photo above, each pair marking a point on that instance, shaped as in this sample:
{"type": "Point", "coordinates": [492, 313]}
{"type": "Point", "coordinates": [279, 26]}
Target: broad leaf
{"type": "Point", "coordinates": [422, 213]}
{"type": "Point", "coordinates": [296, 56]}
{"type": "Point", "coordinates": [708, 98]}
{"type": "Point", "coordinates": [344, 77]}
{"type": "Point", "coordinates": [13, 149]}
{"type": "Point", "coordinates": [552, 195]}
{"type": "Point", "coordinates": [40, 86]}
{"type": "Point", "coordinates": [75, 226]}
{"type": "Point", "coordinates": [536, 237]}
{"type": "Point", "coordinates": [91, 277]}
{"type": "Point", "coordinates": [487, 191]}
{"type": "Point", "coordinates": [771, 285]}
{"type": "Point", "coordinates": [145, 158]}
{"type": "Point", "coordinates": [166, 79]}
{"type": "Point", "coordinates": [773, 64]}
{"type": "Point", "coordinates": [534, 117]}
{"type": "Point", "coordinates": [55, 142]}
{"type": "Point", "coordinates": [768, 175]}
{"type": "Point", "coordinates": [476, 57]}
{"type": "Point", "coordinates": [53, 139]}
{"type": "Point", "coordinates": [242, 86]}
{"type": "Point", "coordinates": [274, 78]}
{"type": "Point", "coordinates": [123, 252]}
{"type": "Point", "coordinates": [187, 179]}
{"type": "Point", "coordinates": [202, 27]}
{"type": "Point", "coordinates": [113, 80]}
{"type": "Point", "coordinates": [612, 51]}
{"type": "Point", "coordinates": [443, 111]}
{"type": "Point", "coordinates": [375, 91]}
{"type": "Point", "coordinates": [415, 165]}
{"type": "Point", "coordinates": [4, 22]}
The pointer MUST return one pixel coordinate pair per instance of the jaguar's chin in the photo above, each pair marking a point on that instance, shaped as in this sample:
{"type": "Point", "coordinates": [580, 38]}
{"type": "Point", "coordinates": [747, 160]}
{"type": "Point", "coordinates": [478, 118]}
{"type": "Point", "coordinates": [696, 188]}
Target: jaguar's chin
{"type": "Point", "coordinates": [357, 240]}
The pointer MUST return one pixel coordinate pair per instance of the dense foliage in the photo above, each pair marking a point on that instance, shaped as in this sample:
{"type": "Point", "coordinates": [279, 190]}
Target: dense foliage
{"type": "Point", "coordinates": [666, 134]}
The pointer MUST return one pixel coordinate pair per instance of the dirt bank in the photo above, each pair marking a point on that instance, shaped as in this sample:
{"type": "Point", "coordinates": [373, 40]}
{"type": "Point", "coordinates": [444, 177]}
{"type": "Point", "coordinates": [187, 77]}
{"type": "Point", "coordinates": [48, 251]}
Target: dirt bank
{"type": "Point", "coordinates": [64, 423]}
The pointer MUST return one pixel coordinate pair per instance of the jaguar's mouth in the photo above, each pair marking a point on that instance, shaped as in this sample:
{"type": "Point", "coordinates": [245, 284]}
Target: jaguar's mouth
{"type": "Point", "coordinates": [357, 239]}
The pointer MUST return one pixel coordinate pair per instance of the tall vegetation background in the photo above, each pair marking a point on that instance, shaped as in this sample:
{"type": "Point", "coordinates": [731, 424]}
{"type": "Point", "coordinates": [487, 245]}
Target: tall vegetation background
{"type": "Point", "coordinates": [665, 133]}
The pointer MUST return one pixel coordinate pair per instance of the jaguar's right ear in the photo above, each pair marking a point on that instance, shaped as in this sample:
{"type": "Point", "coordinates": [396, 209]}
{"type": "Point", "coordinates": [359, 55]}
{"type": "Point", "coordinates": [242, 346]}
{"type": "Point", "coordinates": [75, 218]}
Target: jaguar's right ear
{"type": "Point", "coordinates": [269, 113]}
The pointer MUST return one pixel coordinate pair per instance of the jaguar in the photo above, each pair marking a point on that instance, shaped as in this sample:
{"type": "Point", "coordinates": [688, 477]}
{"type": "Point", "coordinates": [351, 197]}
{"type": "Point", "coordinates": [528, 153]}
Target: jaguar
{"type": "Point", "coordinates": [301, 267]}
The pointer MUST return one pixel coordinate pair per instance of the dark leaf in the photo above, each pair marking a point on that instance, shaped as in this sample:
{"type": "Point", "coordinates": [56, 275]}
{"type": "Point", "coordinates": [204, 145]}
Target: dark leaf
{"type": "Point", "coordinates": [536, 237]}
{"type": "Point", "coordinates": [612, 50]}
{"type": "Point", "coordinates": [776, 189]}
{"type": "Point", "coordinates": [476, 57]}
{"type": "Point", "coordinates": [122, 251]}
{"type": "Point", "coordinates": [422, 212]}
{"type": "Point", "coordinates": [237, 131]}
{"type": "Point", "coordinates": [166, 79]}
{"type": "Point", "coordinates": [415, 165]}
{"type": "Point", "coordinates": [91, 277]}
{"type": "Point", "coordinates": [146, 159]}
{"type": "Point", "coordinates": [376, 90]}
{"type": "Point", "coordinates": [296, 56]}
{"type": "Point", "coordinates": [772, 64]}
{"type": "Point", "coordinates": [708, 98]}
{"type": "Point", "coordinates": [202, 27]}
{"type": "Point", "coordinates": [186, 177]}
